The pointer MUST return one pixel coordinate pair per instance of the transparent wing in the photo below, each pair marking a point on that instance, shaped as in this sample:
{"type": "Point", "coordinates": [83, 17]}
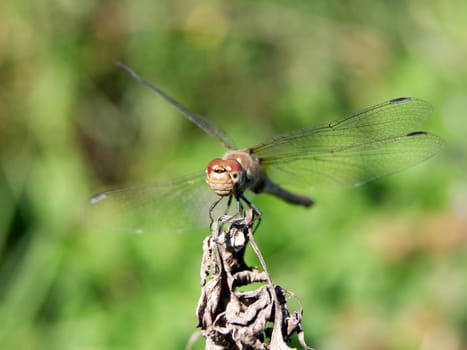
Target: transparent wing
{"type": "Point", "coordinates": [204, 124]}
{"type": "Point", "coordinates": [178, 206]}
{"type": "Point", "coordinates": [377, 141]}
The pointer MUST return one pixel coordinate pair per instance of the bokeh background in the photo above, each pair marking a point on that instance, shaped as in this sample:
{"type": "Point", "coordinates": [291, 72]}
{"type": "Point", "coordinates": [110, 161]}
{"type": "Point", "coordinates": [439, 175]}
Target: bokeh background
{"type": "Point", "coordinates": [383, 266]}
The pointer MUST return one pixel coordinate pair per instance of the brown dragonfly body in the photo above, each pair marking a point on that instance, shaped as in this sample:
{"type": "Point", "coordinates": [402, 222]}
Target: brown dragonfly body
{"type": "Point", "coordinates": [239, 171]}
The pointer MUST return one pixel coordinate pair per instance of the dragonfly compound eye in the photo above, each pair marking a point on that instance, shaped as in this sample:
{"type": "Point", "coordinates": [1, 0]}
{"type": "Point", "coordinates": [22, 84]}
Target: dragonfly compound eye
{"type": "Point", "coordinates": [215, 166]}
{"type": "Point", "coordinates": [221, 175]}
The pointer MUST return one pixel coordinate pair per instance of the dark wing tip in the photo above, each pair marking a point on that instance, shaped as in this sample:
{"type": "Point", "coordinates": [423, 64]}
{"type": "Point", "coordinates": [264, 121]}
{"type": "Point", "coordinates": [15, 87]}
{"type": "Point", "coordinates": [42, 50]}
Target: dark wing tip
{"type": "Point", "coordinates": [400, 100]}
{"type": "Point", "coordinates": [417, 133]}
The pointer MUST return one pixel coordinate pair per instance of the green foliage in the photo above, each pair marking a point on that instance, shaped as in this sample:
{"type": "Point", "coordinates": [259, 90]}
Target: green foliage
{"type": "Point", "coordinates": [381, 266]}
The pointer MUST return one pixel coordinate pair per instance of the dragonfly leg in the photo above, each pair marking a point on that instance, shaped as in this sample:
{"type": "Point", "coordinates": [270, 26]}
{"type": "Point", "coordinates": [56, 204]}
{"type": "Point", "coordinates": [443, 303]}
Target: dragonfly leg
{"type": "Point", "coordinates": [229, 203]}
{"type": "Point", "coordinates": [239, 206]}
{"type": "Point", "coordinates": [211, 208]}
{"type": "Point", "coordinates": [257, 213]}
{"type": "Point", "coordinates": [225, 217]}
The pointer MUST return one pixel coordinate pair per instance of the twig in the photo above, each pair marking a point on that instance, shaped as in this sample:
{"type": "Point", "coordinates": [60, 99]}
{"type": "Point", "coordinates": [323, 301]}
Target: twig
{"type": "Point", "coordinates": [230, 318]}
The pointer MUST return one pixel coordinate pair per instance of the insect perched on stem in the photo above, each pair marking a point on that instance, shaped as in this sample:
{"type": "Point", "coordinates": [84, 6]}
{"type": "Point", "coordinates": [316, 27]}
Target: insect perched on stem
{"type": "Point", "coordinates": [377, 141]}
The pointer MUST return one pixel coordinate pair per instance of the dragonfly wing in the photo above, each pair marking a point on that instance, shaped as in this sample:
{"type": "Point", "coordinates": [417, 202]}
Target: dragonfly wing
{"type": "Point", "coordinates": [173, 207]}
{"type": "Point", "coordinates": [361, 147]}
{"type": "Point", "coordinates": [204, 124]}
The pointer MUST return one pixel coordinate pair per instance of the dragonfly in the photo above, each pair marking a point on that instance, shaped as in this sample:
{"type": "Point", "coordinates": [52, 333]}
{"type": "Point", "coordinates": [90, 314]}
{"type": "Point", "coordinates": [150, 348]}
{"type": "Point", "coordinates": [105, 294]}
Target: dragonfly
{"type": "Point", "coordinates": [375, 142]}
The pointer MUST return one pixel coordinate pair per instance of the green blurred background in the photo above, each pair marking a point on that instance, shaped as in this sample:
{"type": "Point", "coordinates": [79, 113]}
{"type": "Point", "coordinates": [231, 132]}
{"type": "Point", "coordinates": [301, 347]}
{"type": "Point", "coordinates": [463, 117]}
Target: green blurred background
{"type": "Point", "coordinates": [383, 266]}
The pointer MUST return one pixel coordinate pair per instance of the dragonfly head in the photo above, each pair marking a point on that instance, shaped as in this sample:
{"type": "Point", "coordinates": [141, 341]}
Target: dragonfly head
{"type": "Point", "coordinates": [224, 176]}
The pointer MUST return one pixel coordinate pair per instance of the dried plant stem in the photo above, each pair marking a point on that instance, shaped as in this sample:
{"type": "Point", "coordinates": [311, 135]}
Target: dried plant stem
{"type": "Point", "coordinates": [230, 318]}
